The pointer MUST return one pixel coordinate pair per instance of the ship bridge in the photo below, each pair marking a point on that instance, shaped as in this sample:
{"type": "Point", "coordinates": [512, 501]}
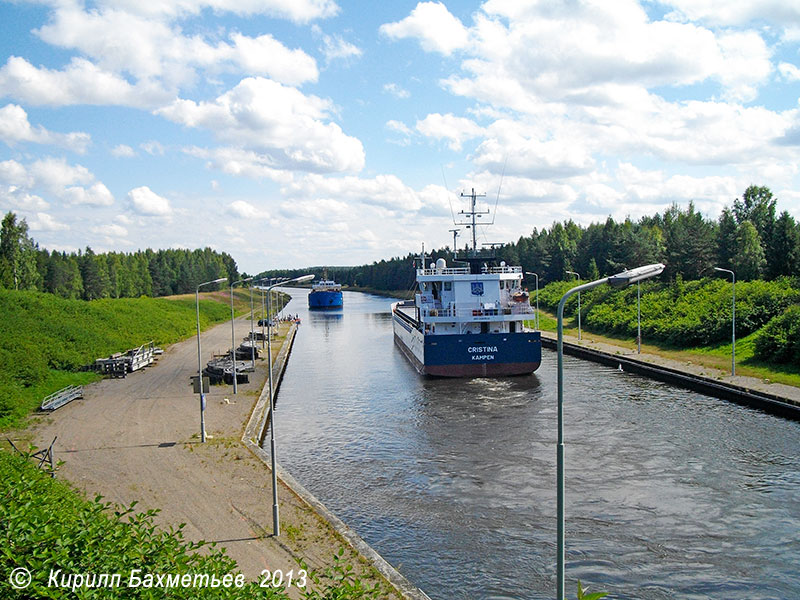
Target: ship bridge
{"type": "Point", "coordinates": [459, 300]}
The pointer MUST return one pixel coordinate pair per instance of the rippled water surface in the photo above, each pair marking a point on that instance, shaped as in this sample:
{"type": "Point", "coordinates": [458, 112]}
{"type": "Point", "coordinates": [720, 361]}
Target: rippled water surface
{"type": "Point", "coordinates": [670, 494]}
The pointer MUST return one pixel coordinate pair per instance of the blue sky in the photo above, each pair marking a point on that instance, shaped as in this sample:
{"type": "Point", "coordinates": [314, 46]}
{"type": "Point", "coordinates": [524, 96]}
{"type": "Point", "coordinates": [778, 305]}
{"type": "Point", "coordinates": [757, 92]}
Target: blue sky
{"type": "Point", "coordinates": [294, 133]}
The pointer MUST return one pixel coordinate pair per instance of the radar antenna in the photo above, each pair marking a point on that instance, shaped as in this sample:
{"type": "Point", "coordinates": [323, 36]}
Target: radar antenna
{"type": "Point", "coordinates": [473, 214]}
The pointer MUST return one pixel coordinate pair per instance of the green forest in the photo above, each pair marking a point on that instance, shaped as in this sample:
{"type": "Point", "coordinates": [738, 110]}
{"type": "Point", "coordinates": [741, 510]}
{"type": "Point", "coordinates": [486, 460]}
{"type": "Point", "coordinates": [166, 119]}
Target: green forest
{"type": "Point", "coordinates": [89, 276]}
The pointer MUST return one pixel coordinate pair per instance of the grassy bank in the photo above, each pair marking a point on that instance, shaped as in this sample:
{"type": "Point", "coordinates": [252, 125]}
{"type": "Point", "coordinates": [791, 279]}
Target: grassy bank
{"type": "Point", "coordinates": [46, 342]}
{"type": "Point", "coordinates": [712, 355]}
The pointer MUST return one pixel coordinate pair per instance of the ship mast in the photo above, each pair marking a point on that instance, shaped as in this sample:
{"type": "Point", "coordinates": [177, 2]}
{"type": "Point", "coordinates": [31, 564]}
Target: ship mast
{"type": "Point", "coordinates": [473, 213]}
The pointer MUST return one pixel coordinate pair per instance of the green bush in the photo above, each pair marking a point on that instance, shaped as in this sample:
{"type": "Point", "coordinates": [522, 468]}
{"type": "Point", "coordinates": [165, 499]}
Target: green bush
{"type": "Point", "coordinates": [779, 341]}
{"type": "Point", "coordinates": [683, 314]}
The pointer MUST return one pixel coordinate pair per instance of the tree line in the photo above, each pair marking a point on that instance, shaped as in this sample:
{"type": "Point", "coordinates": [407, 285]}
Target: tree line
{"type": "Point", "coordinates": [749, 238]}
{"type": "Point", "coordinates": [88, 275]}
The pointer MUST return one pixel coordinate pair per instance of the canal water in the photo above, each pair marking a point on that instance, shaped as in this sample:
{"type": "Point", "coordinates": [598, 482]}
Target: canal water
{"type": "Point", "coordinates": [670, 494]}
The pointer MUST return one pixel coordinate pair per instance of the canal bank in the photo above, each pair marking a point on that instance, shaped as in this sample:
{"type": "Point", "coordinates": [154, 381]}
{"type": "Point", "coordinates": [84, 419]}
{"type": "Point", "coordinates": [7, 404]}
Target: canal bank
{"type": "Point", "coordinates": [778, 399]}
{"type": "Point", "coordinates": [253, 438]}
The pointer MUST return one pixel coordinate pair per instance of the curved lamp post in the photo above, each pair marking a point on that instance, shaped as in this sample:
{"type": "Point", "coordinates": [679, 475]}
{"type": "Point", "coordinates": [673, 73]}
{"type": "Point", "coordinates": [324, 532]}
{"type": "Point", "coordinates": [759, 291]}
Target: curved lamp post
{"type": "Point", "coordinates": [200, 360]}
{"type": "Point", "coordinates": [619, 280]}
{"type": "Point", "coordinates": [638, 317]}
{"type": "Point", "coordinates": [578, 277]}
{"type": "Point", "coordinates": [276, 528]}
{"type": "Point", "coordinates": [733, 323]}
{"type": "Point", "coordinates": [233, 337]}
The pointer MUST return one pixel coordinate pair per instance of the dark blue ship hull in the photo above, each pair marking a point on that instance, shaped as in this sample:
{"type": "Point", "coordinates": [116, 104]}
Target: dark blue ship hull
{"type": "Point", "coordinates": [482, 355]}
{"type": "Point", "coordinates": [325, 299]}
{"type": "Point", "coordinates": [469, 355]}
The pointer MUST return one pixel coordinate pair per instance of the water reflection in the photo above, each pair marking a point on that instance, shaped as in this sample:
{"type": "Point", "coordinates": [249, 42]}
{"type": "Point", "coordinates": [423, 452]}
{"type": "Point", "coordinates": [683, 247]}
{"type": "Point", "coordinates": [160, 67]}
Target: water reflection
{"type": "Point", "coordinates": [669, 494]}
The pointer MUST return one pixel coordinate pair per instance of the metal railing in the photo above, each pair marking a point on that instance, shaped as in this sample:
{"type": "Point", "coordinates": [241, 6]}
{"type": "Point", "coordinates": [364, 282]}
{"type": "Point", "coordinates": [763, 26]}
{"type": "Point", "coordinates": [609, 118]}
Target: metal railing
{"type": "Point", "coordinates": [61, 397]}
{"type": "Point", "coordinates": [465, 270]}
{"type": "Point", "coordinates": [476, 310]}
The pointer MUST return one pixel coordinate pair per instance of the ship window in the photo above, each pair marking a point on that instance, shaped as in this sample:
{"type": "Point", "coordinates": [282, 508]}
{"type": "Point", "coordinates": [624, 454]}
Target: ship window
{"type": "Point", "coordinates": [448, 286]}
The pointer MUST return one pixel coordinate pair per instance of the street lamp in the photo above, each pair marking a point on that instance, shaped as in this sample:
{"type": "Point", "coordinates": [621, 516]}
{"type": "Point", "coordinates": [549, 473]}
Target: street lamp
{"type": "Point", "coordinates": [200, 360]}
{"type": "Point", "coordinates": [733, 321]}
{"type": "Point", "coordinates": [252, 333]}
{"type": "Point", "coordinates": [638, 317]}
{"type": "Point", "coordinates": [276, 528]}
{"type": "Point", "coordinates": [233, 337]}
{"type": "Point", "coordinates": [578, 277]}
{"type": "Point", "coordinates": [619, 280]}
{"type": "Point", "coordinates": [537, 296]}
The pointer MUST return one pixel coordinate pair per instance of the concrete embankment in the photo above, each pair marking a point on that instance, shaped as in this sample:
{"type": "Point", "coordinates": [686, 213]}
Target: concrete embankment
{"type": "Point", "coordinates": [776, 399]}
{"type": "Point", "coordinates": [256, 431]}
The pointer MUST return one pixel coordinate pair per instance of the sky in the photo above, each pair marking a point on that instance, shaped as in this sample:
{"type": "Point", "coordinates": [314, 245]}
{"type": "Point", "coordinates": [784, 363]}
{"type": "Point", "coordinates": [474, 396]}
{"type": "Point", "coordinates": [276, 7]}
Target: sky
{"type": "Point", "coordinates": [294, 133]}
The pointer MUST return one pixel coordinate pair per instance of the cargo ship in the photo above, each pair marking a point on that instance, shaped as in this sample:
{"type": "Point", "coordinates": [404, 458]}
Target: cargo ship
{"type": "Point", "coordinates": [468, 320]}
{"type": "Point", "coordinates": [325, 294]}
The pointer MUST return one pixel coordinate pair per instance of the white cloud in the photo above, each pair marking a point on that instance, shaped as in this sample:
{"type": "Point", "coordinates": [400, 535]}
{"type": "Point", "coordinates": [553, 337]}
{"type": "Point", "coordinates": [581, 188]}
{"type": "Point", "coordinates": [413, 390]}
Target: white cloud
{"type": "Point", "coordinates": [15, 128]}
{"type": "Point", "coordinates": [96, 195]}
{"type": "Point", "coordinates": [151, 49]}
{"type": "Point", "coordinates": [335, 47]}
{"type": "Point", "coordinates": [725, 12]}
{"type": "Point", "coordinates": [298, 11]}
{"type": "Point", "coordinates": [525, 54]}
{"type": "Point", "coordinates": [123, 151]}
{"type": "Point", "coordinates": [242, 163]}
{"type": "Point", "coordinates": [656, 186]}
{"type": "Point", "coordinates": [287, 128]}
{"type": "Point", "coordinates": [265, 55]}
{"type": "Point", "coordinates": [434, 26]}
{"type": "Point", "coordinates": [789, 71]}
{"type": "Point", "coordinates": [153, 148]}
{"type": "Point", "coordinates": [146, 202]}
{"type": "Point", "coordinates": [399, 126]}
{"type": "Point", "coordinates": [14, 173]}
{"type": "Point", "coordinates": [395, 90]}
{"type": "Point", "coordinates": [74, 184]}
{"type": "Point", "coordinates": [81, 82]}
{"type": "Point", "coordinates": [319, 210]}
{"type": "Point", "coordinates": [46, 222]}
{"type": "Point", "coordinates": [245, 210]}
{"type": "Point", "coordinates": [13, 197]}
{"type": "Point", "coordinates": [55, 174]}
{"type": "Point", "coordinates": [455, 129]}
{"type": "Point", "coordinates": [387, 191]}
{"type": "Point", "coordinates": [111, 230]}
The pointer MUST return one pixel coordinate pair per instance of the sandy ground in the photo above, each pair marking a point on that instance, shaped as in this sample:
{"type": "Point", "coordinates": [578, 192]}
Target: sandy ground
{"type": "Point", "coordinates": [137, 438]}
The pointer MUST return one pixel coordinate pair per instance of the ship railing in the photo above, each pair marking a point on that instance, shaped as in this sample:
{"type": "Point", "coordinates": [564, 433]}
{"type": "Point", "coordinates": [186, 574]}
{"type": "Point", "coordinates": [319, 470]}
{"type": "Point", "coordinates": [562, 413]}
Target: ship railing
{"type": "Point", "coordinates": [477, 310]}
{"type": "Point", "coordinates": [465, 271]}
{"type": "Point", "coordinates": [505, 269]}
{"type": "Point", "coordinates": [446, 271]}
